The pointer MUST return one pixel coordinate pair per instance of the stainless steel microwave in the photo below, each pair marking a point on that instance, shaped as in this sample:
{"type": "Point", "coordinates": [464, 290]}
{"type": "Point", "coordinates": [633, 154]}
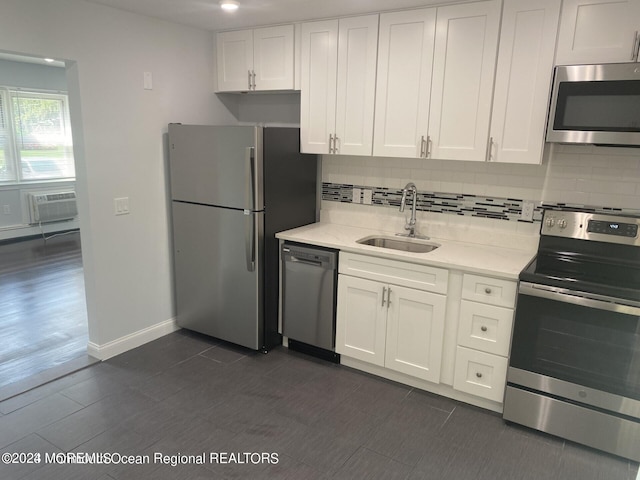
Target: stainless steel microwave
{"type": "Point", "coordinates": [595, 104]}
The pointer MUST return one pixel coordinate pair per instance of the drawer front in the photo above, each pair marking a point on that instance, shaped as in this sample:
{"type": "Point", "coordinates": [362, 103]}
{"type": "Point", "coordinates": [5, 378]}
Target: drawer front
{"type": "Point", "coordinates": [493, 291]}
{"type": "Point", "coordinates": [420, 277]}
{"type": "Point", "coordinates": [485, 327]}
{"type": "Point", "coordinates": [480, 374]}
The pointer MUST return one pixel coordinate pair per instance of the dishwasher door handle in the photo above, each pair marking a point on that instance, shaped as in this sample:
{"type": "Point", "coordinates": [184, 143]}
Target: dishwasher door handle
{"type": "Point", "coordinates": [306, 261]}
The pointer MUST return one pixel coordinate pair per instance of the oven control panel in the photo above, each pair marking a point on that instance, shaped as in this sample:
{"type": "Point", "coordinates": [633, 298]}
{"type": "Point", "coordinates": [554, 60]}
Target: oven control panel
{"type": "Point", "coordinates": [613, 228]}
{"type": "Point", "coordinates": [591, 226]}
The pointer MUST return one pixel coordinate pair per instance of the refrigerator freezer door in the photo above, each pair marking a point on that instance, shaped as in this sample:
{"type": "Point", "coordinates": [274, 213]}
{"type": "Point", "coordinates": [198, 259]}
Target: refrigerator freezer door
{"type": "Point", "coordinates": [217, 165]}
{"type": "Point", "coordinates": [218, 269]}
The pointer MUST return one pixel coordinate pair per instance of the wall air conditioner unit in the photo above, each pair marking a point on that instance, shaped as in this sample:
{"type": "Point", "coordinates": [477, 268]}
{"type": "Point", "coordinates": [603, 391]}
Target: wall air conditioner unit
{"type": "Point", "coordinates": [52, 207]}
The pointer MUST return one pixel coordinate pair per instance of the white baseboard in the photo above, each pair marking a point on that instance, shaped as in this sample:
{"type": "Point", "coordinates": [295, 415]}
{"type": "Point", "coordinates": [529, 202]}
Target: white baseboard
{"type": "Point", "coordinates": [133, 340]}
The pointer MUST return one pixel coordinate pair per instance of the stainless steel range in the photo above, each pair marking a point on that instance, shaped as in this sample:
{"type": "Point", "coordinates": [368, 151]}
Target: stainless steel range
{"type": "Point", "coordinates": [574, 369]}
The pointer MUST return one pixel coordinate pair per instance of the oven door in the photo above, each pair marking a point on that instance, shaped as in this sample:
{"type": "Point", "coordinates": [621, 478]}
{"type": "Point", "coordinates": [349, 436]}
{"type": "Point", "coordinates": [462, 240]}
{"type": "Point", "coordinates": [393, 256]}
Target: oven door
{"type": "Point", "coordinates": [580, 347]}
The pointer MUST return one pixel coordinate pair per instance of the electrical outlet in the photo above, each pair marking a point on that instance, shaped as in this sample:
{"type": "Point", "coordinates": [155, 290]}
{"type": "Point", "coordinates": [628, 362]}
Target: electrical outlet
{"type": "Point", "coordinates": [6, 209]}
{"type": "Point", "coordinates": [527, 211]}
{"type": "Point", "coordinates": [356, 198]}
{"type": "Point", "coordinates": [367, 196]}
{"type": "Point", "coordinates": [121, 205]}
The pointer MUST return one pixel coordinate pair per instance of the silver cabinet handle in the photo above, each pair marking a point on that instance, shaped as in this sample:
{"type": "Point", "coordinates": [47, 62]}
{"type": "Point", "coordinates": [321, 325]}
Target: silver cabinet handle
{"type": "Point", "coordinates": [489, 147]}
{"type": "Point", "coordinates": [388, 297]}
{"type": "Point", "coordinates": [423, 150]}
{"type": "Point", "coordinates": [478, 374]}
{"type": "Point", "coordinates": [253, 74]}
{"type": "Point", "coordinates": [335, 144]}
{"type": "Point", "coordinates": [635, 47]}
{"type": "Point", "coordinates": [332, 143]}
{"type": "Point", "coordinates": [487, 290]}
{"type": "Point", "coordinates": [483, 328]}
{"type": "Point", "coordinates": [384, 291]}
{"type": "Point", "coordinates": [249, 78]}
{"type": "Point", "coordinates": [427, 153]}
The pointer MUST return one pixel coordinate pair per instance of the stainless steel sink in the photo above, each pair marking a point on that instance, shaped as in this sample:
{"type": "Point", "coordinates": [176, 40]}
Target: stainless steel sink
{"type": "Point", "coordinates": [405, 245]}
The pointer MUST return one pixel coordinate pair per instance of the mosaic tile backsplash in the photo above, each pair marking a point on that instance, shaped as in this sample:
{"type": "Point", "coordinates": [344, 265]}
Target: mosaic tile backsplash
{"type": "Point", "coordinates": [438, 202]}
{"type": "Point", "coordinates": [509, 209]}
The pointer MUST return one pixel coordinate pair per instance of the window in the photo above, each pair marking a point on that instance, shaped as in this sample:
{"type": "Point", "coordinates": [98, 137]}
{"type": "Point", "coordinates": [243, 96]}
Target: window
{"type": "Point", "coordinates": [35, 137]}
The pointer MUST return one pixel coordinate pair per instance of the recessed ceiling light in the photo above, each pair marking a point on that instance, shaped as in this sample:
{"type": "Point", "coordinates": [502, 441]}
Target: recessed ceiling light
{"type": "Point", "coordinates": [49, 60]}
{"type": "Point", "coordinates": [229, 5]}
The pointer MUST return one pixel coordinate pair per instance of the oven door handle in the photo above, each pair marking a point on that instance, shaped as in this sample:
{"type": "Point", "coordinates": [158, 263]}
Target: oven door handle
{"type": "Point", "coordinates": [600, 302]}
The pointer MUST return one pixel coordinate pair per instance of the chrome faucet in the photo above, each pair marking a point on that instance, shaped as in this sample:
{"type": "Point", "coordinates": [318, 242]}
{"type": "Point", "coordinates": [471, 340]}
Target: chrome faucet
{"type": "Point", "coordinates": [411, 223]}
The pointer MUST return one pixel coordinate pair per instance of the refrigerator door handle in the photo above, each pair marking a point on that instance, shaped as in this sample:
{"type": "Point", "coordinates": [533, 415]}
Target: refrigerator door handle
{"type": "Point", "coordinates": [249, 240]}
{"type": "Point", "coordinates": [250, 178]}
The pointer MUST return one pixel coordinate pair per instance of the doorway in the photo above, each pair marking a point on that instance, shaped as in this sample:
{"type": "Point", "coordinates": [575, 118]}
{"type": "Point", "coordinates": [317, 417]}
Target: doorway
{"type": "Point", "coordinates": [43, 314]}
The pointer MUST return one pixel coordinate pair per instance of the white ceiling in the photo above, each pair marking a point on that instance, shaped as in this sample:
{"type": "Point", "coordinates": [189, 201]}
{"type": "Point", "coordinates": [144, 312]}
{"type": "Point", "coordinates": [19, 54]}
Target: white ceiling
{"type": "Point", "coordinates": [207, 14]}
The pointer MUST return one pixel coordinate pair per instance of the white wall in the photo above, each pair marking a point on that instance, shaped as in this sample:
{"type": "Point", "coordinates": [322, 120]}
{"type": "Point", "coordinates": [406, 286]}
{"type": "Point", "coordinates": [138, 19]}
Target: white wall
{"type": "Point", "coordinates": [119, 145]}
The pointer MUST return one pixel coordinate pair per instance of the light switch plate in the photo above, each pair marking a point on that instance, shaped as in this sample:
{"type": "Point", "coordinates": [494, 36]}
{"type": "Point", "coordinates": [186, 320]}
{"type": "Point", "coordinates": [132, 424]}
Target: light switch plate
{"type": "Point", "coordinates": [356, 195]}
{"type": "Point", "coordinates": [367, 196]}
{"type": "Point", "coordinates": [121, 205]}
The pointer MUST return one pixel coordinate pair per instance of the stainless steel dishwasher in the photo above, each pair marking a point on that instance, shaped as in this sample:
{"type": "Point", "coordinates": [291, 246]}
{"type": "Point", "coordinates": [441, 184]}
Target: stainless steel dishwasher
{"type": "Point", "coordinates": [309, 283]}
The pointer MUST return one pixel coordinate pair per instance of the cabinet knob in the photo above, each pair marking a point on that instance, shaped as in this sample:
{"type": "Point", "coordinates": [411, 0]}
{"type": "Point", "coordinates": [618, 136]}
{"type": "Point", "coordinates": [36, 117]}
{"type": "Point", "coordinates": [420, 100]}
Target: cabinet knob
{"type": "Point", "coordinates": [478, 374]}
{"type": "Point", "coordinates": [483, 328]}
{"type": "Point", "coordinates": [487, 290]}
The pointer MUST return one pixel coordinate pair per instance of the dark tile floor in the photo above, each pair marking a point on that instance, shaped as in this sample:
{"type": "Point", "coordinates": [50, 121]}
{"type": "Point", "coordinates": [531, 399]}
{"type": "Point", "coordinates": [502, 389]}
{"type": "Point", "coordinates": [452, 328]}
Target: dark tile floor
{"type": "Point", "coordinates": [184, 395]}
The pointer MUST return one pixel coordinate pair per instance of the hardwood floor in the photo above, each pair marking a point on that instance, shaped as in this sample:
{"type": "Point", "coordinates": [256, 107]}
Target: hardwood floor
{"type": "Point", "coordinates": [43, 317]}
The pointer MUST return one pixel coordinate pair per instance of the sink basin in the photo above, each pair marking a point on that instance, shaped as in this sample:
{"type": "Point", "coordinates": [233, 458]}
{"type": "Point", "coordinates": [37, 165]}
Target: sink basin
{"type": "Point", "coordinates": [403, 244]}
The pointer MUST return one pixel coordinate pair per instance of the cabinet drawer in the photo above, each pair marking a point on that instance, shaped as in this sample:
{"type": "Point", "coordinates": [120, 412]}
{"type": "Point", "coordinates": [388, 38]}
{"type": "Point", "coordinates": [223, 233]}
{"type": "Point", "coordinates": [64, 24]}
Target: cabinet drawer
{"type": "Point", "coordinates": [485, 327]}
{"type": "Point", "coordinates": [480, 374]}
{"type": "Point", "coordinates": [420, 277]}
{"type": "Point", "coordinates": [493, 291]}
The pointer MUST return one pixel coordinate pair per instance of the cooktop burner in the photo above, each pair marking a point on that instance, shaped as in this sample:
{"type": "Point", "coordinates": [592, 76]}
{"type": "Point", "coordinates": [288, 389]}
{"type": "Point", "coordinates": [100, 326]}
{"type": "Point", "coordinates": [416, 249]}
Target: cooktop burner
{"type": "Point", "coordinates": [588, 252]}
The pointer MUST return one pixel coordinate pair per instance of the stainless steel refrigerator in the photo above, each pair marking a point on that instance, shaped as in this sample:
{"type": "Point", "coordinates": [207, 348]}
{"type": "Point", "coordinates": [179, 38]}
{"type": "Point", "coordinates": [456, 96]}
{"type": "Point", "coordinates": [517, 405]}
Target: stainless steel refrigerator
{"type": "Point", "coordinates": [232, 189]}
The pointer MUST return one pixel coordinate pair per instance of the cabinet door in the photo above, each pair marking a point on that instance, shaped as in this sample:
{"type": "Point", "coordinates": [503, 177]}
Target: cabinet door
{"type": "Point", "coordinates": [235, 60]}
{"type": "Point", "coordinates": [463, 73]}
{"type": "Point", "coordinates": [523, 80]}
{"type": "Point", "coordinates": [357, 54]}
{"type": "Point", "coordinates": [361, 319]}
{"type": "Point", "coordinates": [319, 58]}
{"type": "Point", "coordinates": [273, 58]}
{"type": "Point", "coordinates": [598, 31]}
{"type": "Point", "coordinates": [415, 329]}
{"type": "Point", "coordinates": [405, 59]}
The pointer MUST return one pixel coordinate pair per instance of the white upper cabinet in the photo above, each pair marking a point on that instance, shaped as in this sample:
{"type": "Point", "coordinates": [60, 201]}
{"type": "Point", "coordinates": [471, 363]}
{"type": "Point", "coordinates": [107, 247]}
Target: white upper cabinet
{"type": "Point", "coordinates": [523, 80]}
{"type": "Point", "coordinates": [338, 75]}
{"type": "Point", "coordinates": [260, 59]}
{"type": "Point", "coordinates": [405, 61]}
{"type": "Point", "coordinates": [463, 73]}
{"type": "Point", "coordinates": [598, 31]}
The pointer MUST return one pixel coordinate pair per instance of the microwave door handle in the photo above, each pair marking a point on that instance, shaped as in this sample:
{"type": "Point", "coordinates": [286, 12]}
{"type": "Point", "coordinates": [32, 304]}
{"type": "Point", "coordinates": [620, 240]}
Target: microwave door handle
{"type": "Point", "coordinates": [584, 299]}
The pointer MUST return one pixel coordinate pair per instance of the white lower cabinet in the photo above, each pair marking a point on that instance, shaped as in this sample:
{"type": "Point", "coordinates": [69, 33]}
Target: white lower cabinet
{"type": "Point", "coordinates": [391, 325]}
{"type": "Point", "coordinates": [361, 319]}
{"type": "Point", "coordinates": [415, 327]}
{"type": "Point", "coordinates": [445, 332]}
{"type": "Point", "coordinates": [484, 333]}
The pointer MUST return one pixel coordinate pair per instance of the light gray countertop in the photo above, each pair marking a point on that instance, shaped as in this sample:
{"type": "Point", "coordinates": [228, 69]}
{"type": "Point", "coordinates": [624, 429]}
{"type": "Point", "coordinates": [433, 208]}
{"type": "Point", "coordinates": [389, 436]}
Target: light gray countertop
{"type": "Point", "coordinates": [471, 257]}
